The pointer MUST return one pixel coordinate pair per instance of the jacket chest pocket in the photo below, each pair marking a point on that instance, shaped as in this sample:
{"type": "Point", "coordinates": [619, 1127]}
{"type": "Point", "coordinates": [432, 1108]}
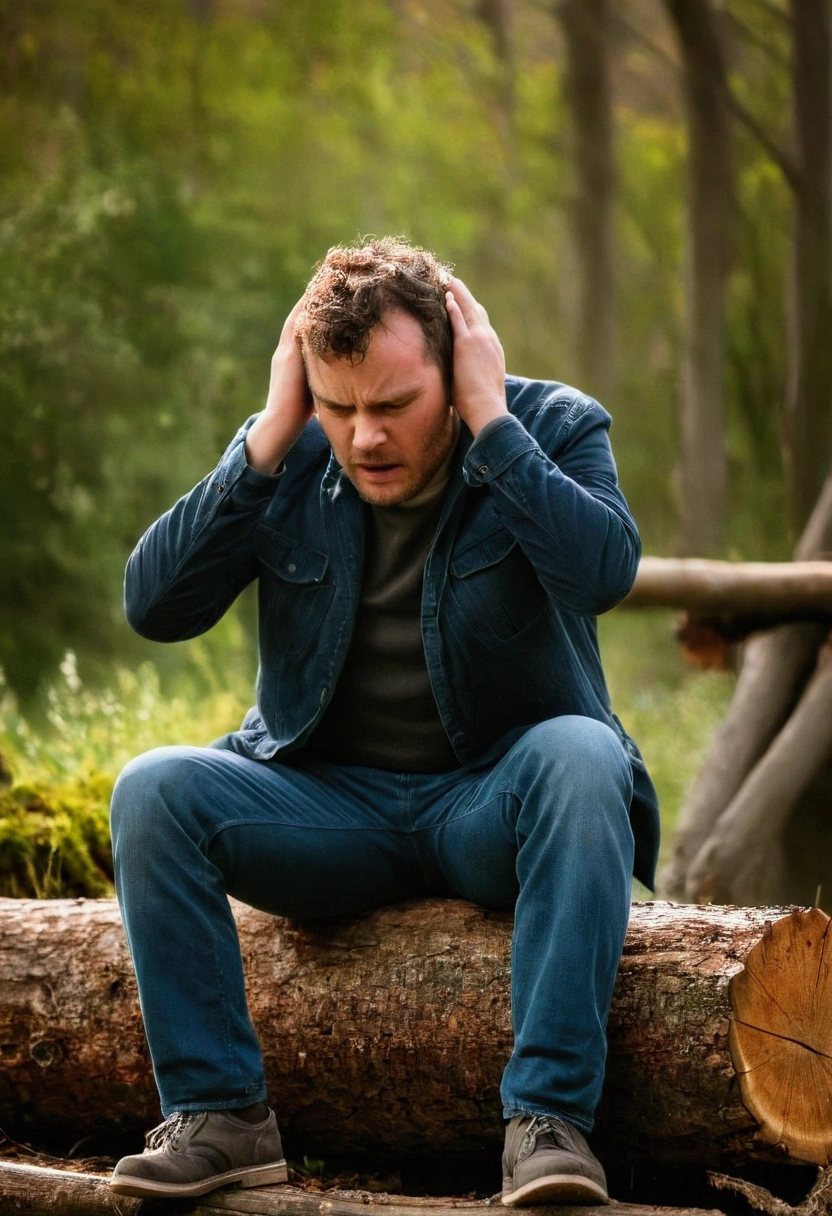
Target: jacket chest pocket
{"type": "Point", "coordinates": [495, 585]}
{"type": "Point", "coordinates": [294, 589]}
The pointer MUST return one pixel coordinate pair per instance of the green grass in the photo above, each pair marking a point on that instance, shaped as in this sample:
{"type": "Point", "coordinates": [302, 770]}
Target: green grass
{"type": "Point", "coordinates": [670, 708]}
{"type": "Point", "coordinates": [54, 805]}
{"type": "Point", "coordinates": [53, 811]}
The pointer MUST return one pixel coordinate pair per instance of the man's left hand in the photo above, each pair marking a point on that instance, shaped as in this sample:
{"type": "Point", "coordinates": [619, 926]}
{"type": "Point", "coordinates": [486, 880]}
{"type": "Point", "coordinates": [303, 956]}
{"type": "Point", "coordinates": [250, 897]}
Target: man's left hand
{"type": "Point", "coordinates": [479, 362]}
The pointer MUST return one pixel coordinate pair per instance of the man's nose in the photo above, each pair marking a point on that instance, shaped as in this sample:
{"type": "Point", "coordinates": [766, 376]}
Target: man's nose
{"type": "Point", "coordinates": [369, 433]}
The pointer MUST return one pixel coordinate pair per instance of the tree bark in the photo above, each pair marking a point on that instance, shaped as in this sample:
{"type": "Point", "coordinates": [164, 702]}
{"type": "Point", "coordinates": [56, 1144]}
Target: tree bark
{"type": "Point", "coordinates": [775, 668]}
{"type": "Point", "coordinates": [807, 422]}
{"type": "Point", "coordinates": [702, 470]}
{"type": "Point", "coordinates": [743, 857]}
{"type": "Point", "coordinates": [588, 94]}
{"type": "Point", "coordinates": [386, 1034]}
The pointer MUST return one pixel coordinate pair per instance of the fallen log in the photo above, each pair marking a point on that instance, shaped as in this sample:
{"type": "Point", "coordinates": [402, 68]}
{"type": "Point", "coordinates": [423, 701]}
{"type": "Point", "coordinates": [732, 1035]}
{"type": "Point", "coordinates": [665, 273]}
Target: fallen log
{"type": "Point", "coordinates": [32, 1191]}
{"type": "Point", "coordinates": [769, 591]}
{"type": "Point", "coordinates": [385, 1034]}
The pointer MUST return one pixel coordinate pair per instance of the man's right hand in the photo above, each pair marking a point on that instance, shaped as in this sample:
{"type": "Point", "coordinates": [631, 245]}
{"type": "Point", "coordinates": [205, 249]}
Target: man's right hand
{"type": "Point", "coordinates": [288, 405]}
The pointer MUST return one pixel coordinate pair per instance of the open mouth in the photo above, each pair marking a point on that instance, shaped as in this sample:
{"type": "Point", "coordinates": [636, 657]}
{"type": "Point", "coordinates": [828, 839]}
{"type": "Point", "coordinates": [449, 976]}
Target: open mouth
{"type": "Point", "coordinates": [378, 470]}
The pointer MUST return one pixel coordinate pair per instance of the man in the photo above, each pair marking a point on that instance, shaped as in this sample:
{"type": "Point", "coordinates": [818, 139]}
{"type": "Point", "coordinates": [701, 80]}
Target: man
{"type": "Point", "coordinates": [432, 542]}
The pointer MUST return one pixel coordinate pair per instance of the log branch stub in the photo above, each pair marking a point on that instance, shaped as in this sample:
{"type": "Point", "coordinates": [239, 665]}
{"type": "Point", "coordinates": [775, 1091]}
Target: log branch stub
{"type": "Point", "coordinates": [781, 1034]}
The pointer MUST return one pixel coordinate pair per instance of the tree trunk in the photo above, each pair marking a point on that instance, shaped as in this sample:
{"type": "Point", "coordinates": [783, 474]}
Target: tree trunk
{"type": "Point", "coordinates": [774, 669]}
{"type": "Point", "coordinates": [702, 469]}
{"type": "Point", "coordinates": [776, 666]}
{"type": "Point", "coordinates": [743, 857]}
{"type": "Point", "coordinates": [387, 1034]}
{"type": "Point", "coordinates": [807, 422]}
{"type": "Point", "coordinates": [587, 89]}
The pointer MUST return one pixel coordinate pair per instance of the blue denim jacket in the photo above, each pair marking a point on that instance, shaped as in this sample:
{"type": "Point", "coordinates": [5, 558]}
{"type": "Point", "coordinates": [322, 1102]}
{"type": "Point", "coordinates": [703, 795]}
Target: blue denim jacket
{"type": "Point", "coordinates": [535, 539]}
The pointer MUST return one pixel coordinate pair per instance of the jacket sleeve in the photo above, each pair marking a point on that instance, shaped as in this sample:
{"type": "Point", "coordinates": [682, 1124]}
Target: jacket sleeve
{"type": "Point", "coordinates": [191, 564]}
{"type": "Point", "coordinates": [566, 509]}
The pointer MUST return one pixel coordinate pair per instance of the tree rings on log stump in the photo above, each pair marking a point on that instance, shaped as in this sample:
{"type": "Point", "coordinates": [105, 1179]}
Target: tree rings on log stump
{"type": "Point", "coordinates": [780, 1036]}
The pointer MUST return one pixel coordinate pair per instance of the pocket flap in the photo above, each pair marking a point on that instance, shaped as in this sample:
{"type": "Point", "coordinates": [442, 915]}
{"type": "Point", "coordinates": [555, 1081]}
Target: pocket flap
{"type": "Point", "coordinates": [290, 559]}
{"type": "Point", "coordinates": [486, 552]}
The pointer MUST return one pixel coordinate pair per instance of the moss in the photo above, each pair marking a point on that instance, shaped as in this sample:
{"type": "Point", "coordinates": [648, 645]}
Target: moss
{"type": "Point", "coordinates": [54, 839]}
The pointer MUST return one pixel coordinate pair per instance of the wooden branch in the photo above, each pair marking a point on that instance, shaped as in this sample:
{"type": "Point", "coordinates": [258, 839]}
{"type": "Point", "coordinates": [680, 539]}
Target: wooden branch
{"type": "Point", "coordinates": [780, 155]}
{"type": "Point", "coordinates": [27, 1190]}
{"type": "Point", "coordinates": [776, 666]}
{"type": "Point", "coordinates": [788, 590]}
{"type": "Point", "coordinates": [742, 856]}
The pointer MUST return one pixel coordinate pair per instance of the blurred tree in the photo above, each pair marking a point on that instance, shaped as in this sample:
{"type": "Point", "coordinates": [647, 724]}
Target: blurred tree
{"type": "Point", "coordinates": [808, 407]}
{"type": "Point", "coordinates": [87, 323]}
{"type": "Point", "coordinates": [587, 89]}
{"type": "Point", "coordinates": [702, 463]}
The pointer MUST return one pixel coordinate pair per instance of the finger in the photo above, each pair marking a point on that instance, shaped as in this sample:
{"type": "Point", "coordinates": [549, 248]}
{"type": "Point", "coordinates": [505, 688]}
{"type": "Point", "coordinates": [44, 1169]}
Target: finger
{"type": "Point", "coordinates": [288, 329]}
{"type": "Point", "coordinates": [458, 323]}
{"type": "Point", "coordinates": [472, 310]}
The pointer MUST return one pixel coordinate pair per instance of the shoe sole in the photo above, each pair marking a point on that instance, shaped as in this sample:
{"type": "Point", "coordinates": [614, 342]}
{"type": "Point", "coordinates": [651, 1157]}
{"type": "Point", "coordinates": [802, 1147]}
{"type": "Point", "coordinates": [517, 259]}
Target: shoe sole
{"type": "Point", "coordinates": [259, 1175]}
{"type": "Point", "coordinates": [557, 1188]}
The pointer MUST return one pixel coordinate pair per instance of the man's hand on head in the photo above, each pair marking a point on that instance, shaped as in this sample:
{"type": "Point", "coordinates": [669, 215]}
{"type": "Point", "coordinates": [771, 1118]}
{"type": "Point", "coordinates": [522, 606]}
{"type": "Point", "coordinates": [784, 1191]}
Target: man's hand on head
{"type": "Point", "coordinates": [479, 362]}
{"type": "Point", "coordinates": [288, 405]}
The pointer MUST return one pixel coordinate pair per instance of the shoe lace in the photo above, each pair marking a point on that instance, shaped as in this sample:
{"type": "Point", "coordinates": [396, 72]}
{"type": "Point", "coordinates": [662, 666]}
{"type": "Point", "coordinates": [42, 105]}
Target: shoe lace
{"type": "Point", "coordinates": [168, 1133]}
{"type": "Point", "coordinates": [543, 1126]}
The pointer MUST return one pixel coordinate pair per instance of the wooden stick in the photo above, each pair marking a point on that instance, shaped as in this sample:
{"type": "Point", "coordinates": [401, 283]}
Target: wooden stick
{"type": "Point", "coordinates": [28, 1190]}
{"type": "Point", "coordinates": [710, 588]}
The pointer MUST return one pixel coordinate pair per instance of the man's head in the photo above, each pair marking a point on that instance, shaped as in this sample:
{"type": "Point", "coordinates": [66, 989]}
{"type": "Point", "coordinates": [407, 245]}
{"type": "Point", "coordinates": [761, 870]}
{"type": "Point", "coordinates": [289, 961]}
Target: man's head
{"type": "Point", "coordinates": [355, 286]}
{"type": "Point", "coordinates": [376, 341]}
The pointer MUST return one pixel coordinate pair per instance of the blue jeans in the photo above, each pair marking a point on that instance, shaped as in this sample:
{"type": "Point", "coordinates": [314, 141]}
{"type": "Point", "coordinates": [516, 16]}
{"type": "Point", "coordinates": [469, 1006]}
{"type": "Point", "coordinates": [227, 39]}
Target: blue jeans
{"type": "Point", "coordinates": [545, 830]}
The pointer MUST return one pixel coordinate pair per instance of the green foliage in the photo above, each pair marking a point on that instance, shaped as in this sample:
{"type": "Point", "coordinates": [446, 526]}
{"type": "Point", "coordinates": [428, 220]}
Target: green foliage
{"type": "Point", "coordinates": [170, 174]}
{"type": "Point", "coordinates": [90, 343]}
{"type": "Point", "coordinates": [54, 833]}
{"type": "Point", "coordinates": [53, 818]}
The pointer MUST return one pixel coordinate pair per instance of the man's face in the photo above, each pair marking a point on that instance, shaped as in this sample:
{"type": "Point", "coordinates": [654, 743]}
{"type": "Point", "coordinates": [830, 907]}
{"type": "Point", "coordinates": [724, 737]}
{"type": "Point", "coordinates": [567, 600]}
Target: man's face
{"type": "Point", "coordinates": [387, 416]}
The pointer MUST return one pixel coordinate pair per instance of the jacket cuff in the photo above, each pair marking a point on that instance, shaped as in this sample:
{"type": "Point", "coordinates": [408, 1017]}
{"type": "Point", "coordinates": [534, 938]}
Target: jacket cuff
{"type": "Point", "coordinates": [234, 477]}
{"type": "Point", "coordinates": [497, 446]}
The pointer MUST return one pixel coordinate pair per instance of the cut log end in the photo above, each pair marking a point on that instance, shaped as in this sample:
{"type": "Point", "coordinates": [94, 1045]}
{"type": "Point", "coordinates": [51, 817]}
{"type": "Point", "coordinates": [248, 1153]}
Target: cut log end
{"type": "Point", "coordinates": [780, 1037]}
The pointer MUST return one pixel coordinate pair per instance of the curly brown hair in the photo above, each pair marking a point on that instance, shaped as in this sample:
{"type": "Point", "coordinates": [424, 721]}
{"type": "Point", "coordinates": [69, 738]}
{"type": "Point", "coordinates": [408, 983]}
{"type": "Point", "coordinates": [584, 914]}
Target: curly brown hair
{"type": "Point", "coordinates": [355, 285]}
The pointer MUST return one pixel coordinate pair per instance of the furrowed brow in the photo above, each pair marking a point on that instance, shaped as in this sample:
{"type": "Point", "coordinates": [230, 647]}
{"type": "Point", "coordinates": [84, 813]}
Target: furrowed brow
{"type": "Point", "coordinates": [401, 398]}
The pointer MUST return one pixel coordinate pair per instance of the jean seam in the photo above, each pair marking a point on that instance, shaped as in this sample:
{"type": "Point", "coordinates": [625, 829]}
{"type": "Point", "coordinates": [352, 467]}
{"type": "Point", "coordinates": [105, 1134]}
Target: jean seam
{"type": "Point", "coordinates": [431, 827]}
{"type": "Point", "coordinates": [301, 827]}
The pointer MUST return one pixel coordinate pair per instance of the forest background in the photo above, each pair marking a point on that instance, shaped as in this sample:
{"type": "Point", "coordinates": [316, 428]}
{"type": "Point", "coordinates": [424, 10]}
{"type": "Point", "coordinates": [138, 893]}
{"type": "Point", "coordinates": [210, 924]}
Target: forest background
{"type": "Point", "coordinates": [619, 181]}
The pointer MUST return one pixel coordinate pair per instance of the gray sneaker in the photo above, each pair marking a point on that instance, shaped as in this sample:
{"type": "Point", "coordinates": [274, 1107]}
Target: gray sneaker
{"type": "Point", "coordinates": [194, 1152]}
{"type": "Point", "coordinates": [548, 1161]}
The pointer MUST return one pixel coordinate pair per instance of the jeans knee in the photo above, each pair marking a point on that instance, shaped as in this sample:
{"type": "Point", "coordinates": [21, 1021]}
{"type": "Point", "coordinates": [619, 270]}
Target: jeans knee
{"type": "Point", "coordinates": [584, 748]}
{"type": "Point", "coordinates": [144, 794]}
{"type": "Point", "coordinates": [578, 779]}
